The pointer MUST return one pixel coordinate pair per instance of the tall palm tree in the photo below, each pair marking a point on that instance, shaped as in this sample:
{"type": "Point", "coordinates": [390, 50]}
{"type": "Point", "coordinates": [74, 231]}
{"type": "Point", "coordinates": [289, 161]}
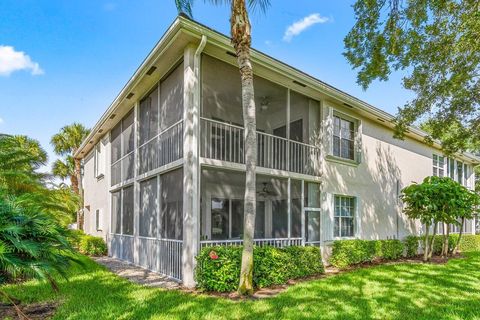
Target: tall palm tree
{"type": "Point", "coordinates": [66, 143]}
{"type": "Point", "coordinates": [240, 32]}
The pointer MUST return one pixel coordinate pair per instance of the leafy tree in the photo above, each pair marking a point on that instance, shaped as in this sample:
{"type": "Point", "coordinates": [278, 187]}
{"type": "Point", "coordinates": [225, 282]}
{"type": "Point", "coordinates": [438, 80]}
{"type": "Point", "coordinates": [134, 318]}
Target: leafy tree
{"type": "Point", "coordinates": [436, 43]}
{"type": "Point", "coordinates": [438, 200]}
{"type": "Point", "coordinates": [240, 31]}
{"type": "Point", "coordinates": [66, 143]}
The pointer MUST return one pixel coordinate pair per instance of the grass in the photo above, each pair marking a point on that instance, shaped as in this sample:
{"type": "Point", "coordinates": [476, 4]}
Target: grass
{"type": "Point", "coordinates": [402, 291]}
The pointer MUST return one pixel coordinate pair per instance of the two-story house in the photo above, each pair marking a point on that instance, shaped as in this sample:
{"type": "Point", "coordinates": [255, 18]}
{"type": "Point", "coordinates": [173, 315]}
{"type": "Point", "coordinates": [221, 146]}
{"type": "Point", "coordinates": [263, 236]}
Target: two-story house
{"type": "Point", "coordinates": [164, 165]}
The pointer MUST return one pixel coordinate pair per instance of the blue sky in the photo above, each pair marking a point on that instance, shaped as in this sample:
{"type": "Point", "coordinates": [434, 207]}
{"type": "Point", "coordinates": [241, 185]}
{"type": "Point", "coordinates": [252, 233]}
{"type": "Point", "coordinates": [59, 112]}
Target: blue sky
{"type": "Point", "coordinates": [65, 61]}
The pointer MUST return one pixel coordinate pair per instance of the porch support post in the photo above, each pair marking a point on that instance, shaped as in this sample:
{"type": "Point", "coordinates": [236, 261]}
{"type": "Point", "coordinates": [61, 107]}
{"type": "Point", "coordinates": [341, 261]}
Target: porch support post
{"type": "Point", "coordinates": [289, 208]}
{"type": "Point", "coordinates": [302, 217]}
{"type": "Point", "coordinates": [191, 118]}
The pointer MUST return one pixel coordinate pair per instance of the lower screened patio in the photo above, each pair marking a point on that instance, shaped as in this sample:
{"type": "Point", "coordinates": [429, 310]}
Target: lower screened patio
{"type": "Point", "coordinates": [149, 231]}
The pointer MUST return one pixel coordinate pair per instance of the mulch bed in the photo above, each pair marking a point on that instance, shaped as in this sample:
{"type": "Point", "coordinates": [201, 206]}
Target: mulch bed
{"type": "Point", "coordinates": [33, 311]}
{"type": "Point", "coordinates": [272, 291]}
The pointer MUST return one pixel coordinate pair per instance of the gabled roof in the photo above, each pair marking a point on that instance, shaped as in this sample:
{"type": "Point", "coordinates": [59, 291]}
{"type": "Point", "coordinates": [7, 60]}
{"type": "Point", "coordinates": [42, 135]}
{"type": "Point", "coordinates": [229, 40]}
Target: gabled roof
{"type": "Point", "coordinates": [195, 30]}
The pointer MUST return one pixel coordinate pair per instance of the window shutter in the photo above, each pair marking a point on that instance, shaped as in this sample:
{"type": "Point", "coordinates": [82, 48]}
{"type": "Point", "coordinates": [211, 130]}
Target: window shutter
{"type": "Point", "coordinates": [358, 142]}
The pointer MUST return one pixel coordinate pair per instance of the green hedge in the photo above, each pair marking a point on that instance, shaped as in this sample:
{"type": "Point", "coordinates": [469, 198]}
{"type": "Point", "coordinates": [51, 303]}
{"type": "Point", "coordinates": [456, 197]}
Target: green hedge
{"type": "Point", "coordinates": [92, 246]}
{"type": "Point", "coordinates": [411, 246]}
{"type": "Point", "coordinates": [350, 252]}
{"type": "Point", "coordinates": [87, 244]}
{"type": "Point", "coordinates": [389, 249]}
{"type": "Point", "coordinates": [218, 268]}
{"type": "Point", "coordinates": [469, 242]}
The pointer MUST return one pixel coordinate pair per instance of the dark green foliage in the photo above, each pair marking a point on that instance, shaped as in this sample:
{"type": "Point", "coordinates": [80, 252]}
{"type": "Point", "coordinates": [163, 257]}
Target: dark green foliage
{"type": "Point", "coordinates": [349, 252]}
{"type": "Point", "coordinates": [436, 44]}
{"type": "Point", "coordinates": [92, 246]}
{"type": "Point", "coordinates": [271, 266]}
{"type": "Point", "coordinates": [411, 246]}
{"type": "Point", "coordinates": [389, 249]}
{"type": "Point", "coordinates": [32, 244]}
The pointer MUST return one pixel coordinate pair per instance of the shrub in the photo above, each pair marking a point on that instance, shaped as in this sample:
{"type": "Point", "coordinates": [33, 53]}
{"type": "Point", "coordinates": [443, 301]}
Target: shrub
{"type": "Point", "coordinates": [389, 249]}
{"type": "Point", "coordinates": [411, 246]}
{"type": "Point", "coordinates": [218, 268]}
{"type": "Point", "coordinates": [349, 252]}
{"type": "Point", "coordinates": [469, 242]}
{"type": "Point", "coordinates": [74, 237]}
{"type": "Point", "coordinates": [92, 246]}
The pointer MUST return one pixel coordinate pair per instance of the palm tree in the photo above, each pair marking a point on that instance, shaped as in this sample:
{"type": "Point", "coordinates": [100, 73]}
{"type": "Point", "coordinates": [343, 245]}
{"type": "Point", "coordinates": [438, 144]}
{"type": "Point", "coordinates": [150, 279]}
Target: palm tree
{"type": "Point", "coordinates": [240, 32]}
{"type": "Point", "coordinates": [66, 143]}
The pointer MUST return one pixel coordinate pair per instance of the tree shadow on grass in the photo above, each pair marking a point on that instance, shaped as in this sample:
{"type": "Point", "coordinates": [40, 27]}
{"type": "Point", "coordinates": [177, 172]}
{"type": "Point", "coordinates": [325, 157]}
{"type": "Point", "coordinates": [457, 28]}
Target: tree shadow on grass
{"type": "Point", "coordinates": [403, 291]}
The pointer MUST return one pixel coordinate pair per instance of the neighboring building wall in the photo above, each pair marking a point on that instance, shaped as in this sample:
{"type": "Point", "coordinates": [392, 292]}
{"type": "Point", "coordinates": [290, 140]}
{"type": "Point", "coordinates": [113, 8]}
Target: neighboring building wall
{"type": "Point", "coordinates": [386, 165]}
{"type": "Point", "coordinates": [96, 194]}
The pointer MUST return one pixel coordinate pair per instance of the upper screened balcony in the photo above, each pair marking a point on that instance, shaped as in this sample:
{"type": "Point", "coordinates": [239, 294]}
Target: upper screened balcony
{"type": "Point", "coordinates": [288, 123]}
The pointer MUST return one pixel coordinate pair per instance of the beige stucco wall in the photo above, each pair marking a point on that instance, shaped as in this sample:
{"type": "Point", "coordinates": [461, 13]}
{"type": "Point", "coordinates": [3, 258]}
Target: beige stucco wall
{"type": "Point", "coordinates": [96, 194]}
{"type": "Point", "coordinates": [386, 166]}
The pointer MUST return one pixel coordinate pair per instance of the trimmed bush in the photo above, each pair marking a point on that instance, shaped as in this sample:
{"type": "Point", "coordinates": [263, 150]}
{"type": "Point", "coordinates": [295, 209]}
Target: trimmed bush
{"type": "Point", "coordinates": [469, 242]}
{"type": "Point", "coordinates": [349, 252]}
{"type": "Point", "coordinates": [411, 246]}
{"type": "Point", "coordinates": [389, 249]}
{"type": "Point", "coordinates": [92, 246]}
{"type": "Point", "coordinates": [218, 268]}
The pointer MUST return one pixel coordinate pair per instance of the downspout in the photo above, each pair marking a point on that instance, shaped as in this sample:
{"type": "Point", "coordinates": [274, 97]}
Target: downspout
{"type": "Point", "coordinates": [196, 99]}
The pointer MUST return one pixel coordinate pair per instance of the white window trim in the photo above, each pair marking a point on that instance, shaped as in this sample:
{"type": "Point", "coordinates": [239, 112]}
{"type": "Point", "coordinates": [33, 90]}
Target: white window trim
{"type": "Point", "coordinates": [357, 147]}
{"type": "Point", "coordinates": [356, 225]}
{"type": "Point", "coordinates": [437, 165]}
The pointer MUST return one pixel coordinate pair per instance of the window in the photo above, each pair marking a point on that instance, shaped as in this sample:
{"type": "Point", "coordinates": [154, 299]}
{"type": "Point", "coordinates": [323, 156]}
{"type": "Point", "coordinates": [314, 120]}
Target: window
{"type": "Point", "coordinates": [98, 220]}
{"type": "Point", "coordinates": [343, 138]}
{"type": "Point", "coordinates": [451, 168]}
{"type": "Point", "coordinates": [438, 166]}
{"type": "Point", "coordinates": [99, 164]}
{"type": "Point", "coordinates": [344, 214]}
{"type": "Point", "coordinates": [460, 172]}
{"type": "Point", "coordinates": [148, 208]}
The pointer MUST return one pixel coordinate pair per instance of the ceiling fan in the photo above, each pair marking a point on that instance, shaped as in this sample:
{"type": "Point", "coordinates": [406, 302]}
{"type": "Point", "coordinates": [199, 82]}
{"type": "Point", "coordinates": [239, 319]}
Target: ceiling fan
{"type": "Point", "coordinates": [265, 192]}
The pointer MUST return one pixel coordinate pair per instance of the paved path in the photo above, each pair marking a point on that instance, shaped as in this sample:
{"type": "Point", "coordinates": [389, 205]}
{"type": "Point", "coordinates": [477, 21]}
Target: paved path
{"type": "Point", "coordinates": [136, 274]}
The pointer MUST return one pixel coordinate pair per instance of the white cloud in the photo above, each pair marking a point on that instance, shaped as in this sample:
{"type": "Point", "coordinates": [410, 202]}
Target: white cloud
{"type": "Point", "coordinates": [303, 24]}
{"type": "Point", "coordinates": [1, 121]}
{"type": "Point", "coordinates": [11, 61]}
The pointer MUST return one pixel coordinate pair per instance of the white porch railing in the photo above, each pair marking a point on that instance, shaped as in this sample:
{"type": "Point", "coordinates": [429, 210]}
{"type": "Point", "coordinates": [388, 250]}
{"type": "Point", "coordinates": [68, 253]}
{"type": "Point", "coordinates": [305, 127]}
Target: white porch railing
{"type": "Point", "coordinates": [304, 158]}
{"type": "Point", "coordinates": [170, 255]}
{"type": "Point", "coordinates": [225, 142]}
{"type": "Point", "coordinates": [274, 242]}
{"type": "Point", "coordinates": [162, 149]}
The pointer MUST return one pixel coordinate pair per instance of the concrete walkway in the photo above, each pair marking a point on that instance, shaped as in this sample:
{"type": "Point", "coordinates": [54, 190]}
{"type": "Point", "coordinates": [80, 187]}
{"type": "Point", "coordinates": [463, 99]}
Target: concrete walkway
{"type": "Point", "coordinates": [136, 274]}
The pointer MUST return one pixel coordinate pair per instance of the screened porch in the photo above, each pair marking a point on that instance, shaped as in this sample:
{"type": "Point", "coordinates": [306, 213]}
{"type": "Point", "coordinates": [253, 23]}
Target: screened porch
{"type": "Point", "coordinates": [287, 210]}
{"type": "Point", "coordinates": [288, 122]}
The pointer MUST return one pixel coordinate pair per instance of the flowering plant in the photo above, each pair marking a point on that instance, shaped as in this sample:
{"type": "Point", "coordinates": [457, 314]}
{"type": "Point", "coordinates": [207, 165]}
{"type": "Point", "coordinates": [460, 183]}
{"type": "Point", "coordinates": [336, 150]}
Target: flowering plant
{"type": "Point", "coordinates": [213, 255]}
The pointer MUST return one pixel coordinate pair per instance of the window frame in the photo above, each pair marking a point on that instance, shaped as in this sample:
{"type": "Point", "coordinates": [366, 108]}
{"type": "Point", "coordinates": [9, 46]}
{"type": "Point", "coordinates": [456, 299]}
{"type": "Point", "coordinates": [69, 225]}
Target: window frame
{"type": "Point", "coordinates": [353, 217]}
{"type": "Point", "coordinates": [98, 220]}
{"type": "Point", "coordinates": [439, 165]}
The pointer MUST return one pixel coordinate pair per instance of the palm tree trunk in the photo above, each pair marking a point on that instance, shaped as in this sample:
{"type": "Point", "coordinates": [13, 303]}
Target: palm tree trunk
{"type": "Point", "coordinates": [241, 40]}
{"type": "Point", "coordinates": [75, 180]}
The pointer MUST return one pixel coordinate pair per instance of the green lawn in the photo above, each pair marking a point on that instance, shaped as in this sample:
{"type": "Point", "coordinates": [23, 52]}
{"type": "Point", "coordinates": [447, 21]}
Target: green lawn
{"type": "Point", "coordinates": [403, 291]}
